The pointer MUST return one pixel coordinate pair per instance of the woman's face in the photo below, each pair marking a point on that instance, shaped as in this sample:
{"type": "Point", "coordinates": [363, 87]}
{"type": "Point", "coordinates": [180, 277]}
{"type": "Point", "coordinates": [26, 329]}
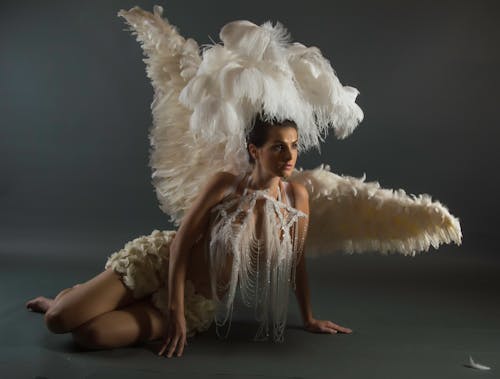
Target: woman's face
{"type": "Point", "coordinates": [279, 154]}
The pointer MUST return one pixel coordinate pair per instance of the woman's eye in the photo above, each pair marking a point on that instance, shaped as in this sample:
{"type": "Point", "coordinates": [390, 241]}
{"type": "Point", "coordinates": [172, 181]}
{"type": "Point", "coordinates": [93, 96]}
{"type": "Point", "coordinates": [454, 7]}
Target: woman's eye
{"type": "Point", "coordinates": [281, 147]}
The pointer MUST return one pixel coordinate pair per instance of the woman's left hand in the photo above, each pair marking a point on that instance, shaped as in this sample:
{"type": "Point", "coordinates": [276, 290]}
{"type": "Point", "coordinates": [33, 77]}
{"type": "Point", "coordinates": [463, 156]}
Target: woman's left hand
{"type": "Point", "coordinates": [325, 326]}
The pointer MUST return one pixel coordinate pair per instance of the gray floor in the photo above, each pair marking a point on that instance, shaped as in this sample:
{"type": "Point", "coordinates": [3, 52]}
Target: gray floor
{"type": "Point", "coordinates": [412, 318]}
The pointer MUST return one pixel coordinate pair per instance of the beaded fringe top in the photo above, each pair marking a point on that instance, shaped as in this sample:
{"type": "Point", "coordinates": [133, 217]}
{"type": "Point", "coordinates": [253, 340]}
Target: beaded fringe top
{"type": "Point", "coordinates": [254, 245]}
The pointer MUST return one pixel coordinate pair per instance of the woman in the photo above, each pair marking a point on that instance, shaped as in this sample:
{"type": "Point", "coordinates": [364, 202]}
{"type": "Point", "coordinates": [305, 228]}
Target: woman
{"type": "Point", "coordinates": [104, 313]}
{"type": "Point", "coordinates": [240, 224]}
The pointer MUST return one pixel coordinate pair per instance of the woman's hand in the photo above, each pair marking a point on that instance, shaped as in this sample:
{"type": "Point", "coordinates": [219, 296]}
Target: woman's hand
{"type": "Point", "coordinates": [175, 337]}
{"type": "Point", "coordinates": [324, 326]}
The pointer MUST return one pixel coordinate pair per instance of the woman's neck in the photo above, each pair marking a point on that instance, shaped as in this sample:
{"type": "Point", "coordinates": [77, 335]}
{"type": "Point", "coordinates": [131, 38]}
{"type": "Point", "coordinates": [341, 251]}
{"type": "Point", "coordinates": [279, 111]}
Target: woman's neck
{"type": "Point", "coordinates": [261, 181]}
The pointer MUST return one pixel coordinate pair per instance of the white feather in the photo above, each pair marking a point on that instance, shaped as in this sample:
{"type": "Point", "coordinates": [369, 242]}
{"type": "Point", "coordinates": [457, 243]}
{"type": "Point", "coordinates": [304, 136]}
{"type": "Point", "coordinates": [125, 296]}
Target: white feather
{"type": "Point", "coordinates": [476, 365]}
{"type": "Point", "coordinates": [246, 38]}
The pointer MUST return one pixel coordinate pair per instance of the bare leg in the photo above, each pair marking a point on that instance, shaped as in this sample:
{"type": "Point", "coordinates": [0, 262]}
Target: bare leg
{"type": "Point", "coordinates": [41, 304]}
{"type": "Point", "coordinates": [135, 323]}
{"type": "Point", "coordinates": [79, 304]}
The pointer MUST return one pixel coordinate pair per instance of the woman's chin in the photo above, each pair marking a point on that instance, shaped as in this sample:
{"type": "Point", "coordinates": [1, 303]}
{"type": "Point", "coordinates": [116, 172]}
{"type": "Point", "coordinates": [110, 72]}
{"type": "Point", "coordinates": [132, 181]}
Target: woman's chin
{"type": "Point", "coordinates": [286, 171]}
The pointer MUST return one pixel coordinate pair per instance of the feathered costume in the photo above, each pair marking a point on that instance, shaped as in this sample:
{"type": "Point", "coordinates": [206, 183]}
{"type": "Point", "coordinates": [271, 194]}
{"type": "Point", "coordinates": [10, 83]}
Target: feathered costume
{"type": "Point", "coordinates": [203, 109]}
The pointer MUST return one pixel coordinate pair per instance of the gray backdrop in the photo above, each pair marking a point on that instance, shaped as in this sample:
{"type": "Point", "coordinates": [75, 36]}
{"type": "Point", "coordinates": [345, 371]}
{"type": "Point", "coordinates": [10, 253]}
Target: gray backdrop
{"type": "Point", "coordinates": [75, 111]}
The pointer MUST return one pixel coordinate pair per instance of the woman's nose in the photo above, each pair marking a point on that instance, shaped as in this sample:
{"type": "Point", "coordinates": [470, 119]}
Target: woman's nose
{"type": "Point", "coordinates": [287, 154]}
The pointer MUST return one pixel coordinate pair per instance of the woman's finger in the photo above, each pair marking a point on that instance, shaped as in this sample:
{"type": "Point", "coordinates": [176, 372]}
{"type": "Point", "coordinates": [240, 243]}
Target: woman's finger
{"type": "Point", "coordinates": [326, 329]}
{"type": "Point", "coordinates": [164, 347]}
{"type": "Point", "coordinates": [180, 350]}
{"type": "Point", "coordinates": [342, 329]}
{"type": "Point", "coordinates": [339, 328]}
{"type": "Point", "coordinates": [173, 345]}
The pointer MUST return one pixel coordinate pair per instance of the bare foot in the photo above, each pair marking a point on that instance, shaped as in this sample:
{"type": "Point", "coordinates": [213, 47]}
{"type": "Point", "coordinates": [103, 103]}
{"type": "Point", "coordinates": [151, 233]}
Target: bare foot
{"type": "Point", "coordinates": [39, 304]}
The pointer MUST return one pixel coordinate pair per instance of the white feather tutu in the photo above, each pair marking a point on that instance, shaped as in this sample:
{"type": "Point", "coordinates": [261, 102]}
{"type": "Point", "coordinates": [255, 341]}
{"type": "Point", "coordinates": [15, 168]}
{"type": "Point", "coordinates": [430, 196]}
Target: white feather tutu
{"type": "Point", "coordinates": [143, 266]}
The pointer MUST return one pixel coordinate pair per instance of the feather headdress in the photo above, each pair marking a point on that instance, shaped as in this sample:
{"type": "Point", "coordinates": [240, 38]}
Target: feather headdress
{"type": "Point", "coordinates": [257, 70]}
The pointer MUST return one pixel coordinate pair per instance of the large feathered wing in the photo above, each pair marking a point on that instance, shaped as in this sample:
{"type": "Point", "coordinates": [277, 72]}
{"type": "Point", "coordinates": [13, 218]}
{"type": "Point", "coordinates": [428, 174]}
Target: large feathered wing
{"type": "Point", "coordinates": [351, 215]}
{"type": "Point", "coordinates": [181, 162]}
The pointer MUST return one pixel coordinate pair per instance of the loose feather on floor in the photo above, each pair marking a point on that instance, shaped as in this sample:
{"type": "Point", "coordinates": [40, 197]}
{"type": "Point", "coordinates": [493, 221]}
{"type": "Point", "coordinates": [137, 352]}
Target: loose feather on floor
{"type": "Point", "coordinates": [477, 366]}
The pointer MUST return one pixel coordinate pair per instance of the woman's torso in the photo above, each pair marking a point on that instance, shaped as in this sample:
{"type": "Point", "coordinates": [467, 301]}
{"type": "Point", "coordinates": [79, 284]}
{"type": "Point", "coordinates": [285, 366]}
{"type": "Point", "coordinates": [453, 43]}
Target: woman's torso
{"type": "Point", "coordinates": [198, 270]}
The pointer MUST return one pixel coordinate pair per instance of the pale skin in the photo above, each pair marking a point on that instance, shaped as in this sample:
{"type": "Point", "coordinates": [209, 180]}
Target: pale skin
{"type": "Point", "coordinates": [102, 312]}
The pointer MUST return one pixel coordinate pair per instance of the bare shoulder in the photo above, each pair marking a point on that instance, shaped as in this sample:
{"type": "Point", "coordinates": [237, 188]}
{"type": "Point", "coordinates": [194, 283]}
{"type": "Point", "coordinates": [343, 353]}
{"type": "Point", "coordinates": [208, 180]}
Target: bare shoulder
{"type": "Point", "coordinates": [226, 176]}
{"type": "Point", "coordinates": [196, 218]}
{"type": "Point", "coordinates": [300, 191]}
{"type": "Point", "coordinates": [222, 179]}
{"type": "Point", "coordinates": [218, 184]}
{"type": "Point", "coordinates": [301, 196]}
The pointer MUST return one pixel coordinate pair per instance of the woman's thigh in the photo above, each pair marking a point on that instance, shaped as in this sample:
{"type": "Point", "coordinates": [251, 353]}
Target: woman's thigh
{"type": "Point", "coordinates": [103, 293]}
{"type": "Point", "coordinates": [135, 323]}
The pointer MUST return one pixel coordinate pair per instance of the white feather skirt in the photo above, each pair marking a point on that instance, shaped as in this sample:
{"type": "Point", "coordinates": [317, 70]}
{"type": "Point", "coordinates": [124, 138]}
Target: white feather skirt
{"type": "Point", "coordinates": [143, 267]}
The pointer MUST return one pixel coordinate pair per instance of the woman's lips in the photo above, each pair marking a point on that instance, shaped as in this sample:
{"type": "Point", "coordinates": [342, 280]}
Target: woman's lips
{"type": "Point", "coordinates": [288, 166]}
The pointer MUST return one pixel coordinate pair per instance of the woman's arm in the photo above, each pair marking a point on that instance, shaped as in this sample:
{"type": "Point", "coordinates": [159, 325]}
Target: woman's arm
{"type": "Point", "coordinates": [302, 291]}
{"type": "Point", "coordinates": [194, 222]}
{"type": "Point", "coordinates": [301, 281]}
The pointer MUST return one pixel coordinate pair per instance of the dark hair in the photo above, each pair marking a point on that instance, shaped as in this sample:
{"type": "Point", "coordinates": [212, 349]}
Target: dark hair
{"type": "Point", "coordinates": [259, 132]}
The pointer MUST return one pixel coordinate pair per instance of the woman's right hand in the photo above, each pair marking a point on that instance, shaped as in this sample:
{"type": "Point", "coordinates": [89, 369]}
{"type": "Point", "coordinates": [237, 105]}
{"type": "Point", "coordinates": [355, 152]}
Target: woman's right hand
{"type": "Point", "coordinates": [175, 337]}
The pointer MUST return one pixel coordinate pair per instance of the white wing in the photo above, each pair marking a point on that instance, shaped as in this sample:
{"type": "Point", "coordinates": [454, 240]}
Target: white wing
{"type": "Point", "coordinates": [181, 162]}
{"type": "Point", "coordinates": [354, 216]}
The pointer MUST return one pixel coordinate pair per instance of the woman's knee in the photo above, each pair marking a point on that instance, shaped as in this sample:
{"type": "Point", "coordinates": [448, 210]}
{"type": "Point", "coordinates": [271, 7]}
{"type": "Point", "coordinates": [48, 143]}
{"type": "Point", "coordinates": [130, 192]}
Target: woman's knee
{"type": "Point", "coordinates": [96, 335]}
{"type": "Point", "coordinates": [89, 336]}
{"type": "Point", "coordinates": [57, 321]}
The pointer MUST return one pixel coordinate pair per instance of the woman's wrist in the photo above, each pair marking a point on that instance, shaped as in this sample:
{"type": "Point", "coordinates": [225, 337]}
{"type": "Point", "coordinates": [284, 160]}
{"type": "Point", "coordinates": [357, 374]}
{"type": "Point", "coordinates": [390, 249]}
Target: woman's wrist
{"type": "Point", "coordinates": [308, 320]}
{"type": "Point", "coordinates": [175, 308]}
